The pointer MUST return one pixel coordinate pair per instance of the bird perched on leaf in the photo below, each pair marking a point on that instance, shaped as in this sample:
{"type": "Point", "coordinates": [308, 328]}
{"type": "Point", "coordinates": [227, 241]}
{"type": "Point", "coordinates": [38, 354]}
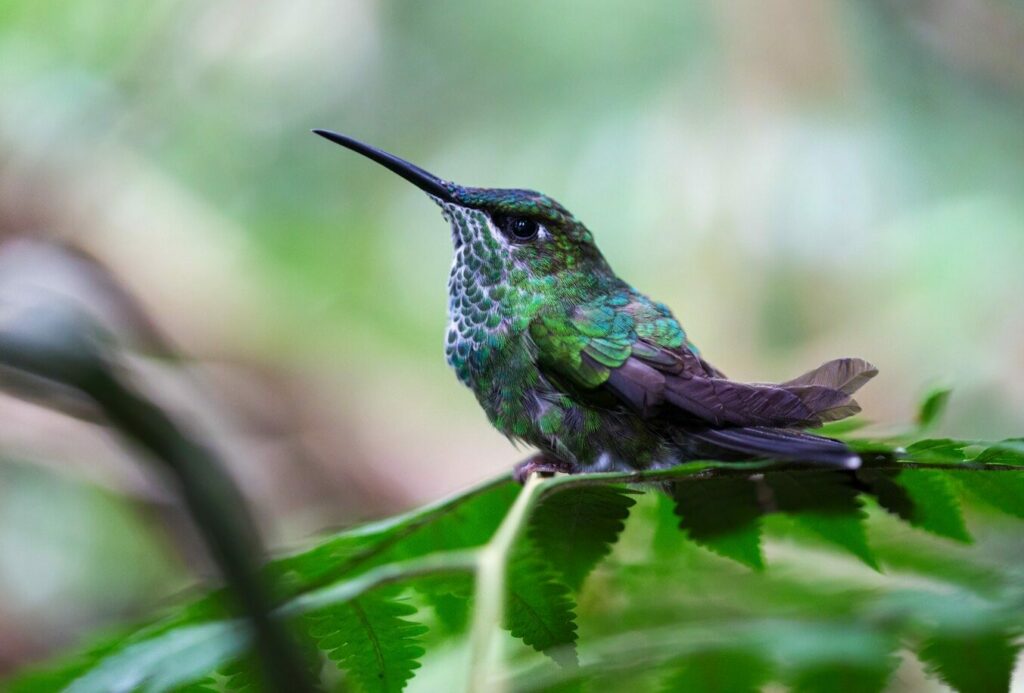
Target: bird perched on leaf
{"type": "Point", "coordinates": [563, 354]}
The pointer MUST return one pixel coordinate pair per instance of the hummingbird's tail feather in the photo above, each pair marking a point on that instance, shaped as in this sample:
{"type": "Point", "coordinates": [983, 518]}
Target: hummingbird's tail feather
{"type": "Point", "coordinates": [846, 375]}
{"type": "Point", "coordinates": [774, 443]}
{"type": "Point", "coordinates": [722, 402]}
{"type": "Point", "coordinates": [762, 420]}
{"type": "Point", "coordinates": [821, 395]}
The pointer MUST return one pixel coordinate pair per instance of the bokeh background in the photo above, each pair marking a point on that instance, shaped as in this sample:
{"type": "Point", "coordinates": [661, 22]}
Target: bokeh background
{"type": "Point", "coordinates": [798, 179]}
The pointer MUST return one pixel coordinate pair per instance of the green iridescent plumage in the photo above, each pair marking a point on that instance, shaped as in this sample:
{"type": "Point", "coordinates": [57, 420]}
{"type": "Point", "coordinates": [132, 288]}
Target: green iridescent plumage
{"type": "Point", "coordinates": [563, 354]}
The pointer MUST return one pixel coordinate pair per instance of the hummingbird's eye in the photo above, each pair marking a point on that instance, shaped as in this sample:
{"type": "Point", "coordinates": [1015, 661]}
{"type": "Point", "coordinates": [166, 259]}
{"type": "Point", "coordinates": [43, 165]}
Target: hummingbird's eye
{"type": "Point", "coordinates": [518, 229]}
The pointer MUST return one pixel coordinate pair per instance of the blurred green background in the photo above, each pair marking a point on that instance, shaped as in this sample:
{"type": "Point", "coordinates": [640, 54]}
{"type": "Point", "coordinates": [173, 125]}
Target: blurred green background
{"type": "Point", "coordinates": [799, 180]}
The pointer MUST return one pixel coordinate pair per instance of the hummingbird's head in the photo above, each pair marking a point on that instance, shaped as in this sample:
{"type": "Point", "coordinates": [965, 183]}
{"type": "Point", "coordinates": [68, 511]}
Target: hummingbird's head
{"type": "Point", "coordinates": [500, 234]}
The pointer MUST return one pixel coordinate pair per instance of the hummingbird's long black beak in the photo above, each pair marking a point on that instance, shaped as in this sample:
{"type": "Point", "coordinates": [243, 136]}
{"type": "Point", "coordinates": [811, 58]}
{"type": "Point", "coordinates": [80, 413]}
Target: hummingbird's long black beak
{"type": "Point", "coordinates": [427, 182]}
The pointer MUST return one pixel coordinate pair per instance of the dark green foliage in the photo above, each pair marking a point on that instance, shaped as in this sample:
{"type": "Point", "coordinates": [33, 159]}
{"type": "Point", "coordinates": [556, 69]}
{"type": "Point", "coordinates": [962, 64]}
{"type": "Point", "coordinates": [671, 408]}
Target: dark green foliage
{"type": "Point", "coordinates": [719, 671]}
{"type": "Point", "coordinates": [372, 640]}
{"type": "Point", "coordinates": [841, 679]}
{"type": "Point", "coordinates": [450, 596]}
{"type": "Point", "coordinates": [932, 407]}
{"type": "Point", "coordinates": [674, 616]}
{"type": "Point", "coordinates": [452, 609]}
{"type": "Point", "coordinates": [882, 486]}
{"type": "Point", "coordinates": [667, 538]}
{"type": "Point", "coordinates": [938, 450]}
{"type": "Point", "coordinates": [825, 503]}
{"type": "Point", "coordinates": [899, 550]}
{"type": "Point", "coordinates": [972, 664]}
{"type": "Point", "coordinates": [935, 505]}
{"type": "Point", "coordinates": [539, 608]}
{"type": "Point", "coordinates": [722, 514]}
{"type": "Point", "coordinates": [1010, 451]}
{"type": "Point", "coordinates": [575, 528]}
{"type": "Point", "coordinates": [465, 522]}
{"type": "Point", "coordinates": [1001, 491]}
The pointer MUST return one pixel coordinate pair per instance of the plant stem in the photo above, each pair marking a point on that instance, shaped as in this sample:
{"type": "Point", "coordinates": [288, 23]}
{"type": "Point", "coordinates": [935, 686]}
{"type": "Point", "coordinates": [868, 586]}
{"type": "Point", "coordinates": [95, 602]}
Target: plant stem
{"type": "Point", "coordinates": [447, 562]}
{"type": "Point", "coordinates": [681, 474]}
{"type": "Point", "coordinates": [57, 345]}
{"type": "Point", "coordinates": [220, 514]}
{"type": "Point", "coordinates": [492, 562]}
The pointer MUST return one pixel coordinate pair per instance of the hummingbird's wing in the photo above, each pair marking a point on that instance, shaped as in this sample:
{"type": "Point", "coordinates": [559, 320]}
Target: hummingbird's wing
{"type": "Point", "coordinates": [629, 347]}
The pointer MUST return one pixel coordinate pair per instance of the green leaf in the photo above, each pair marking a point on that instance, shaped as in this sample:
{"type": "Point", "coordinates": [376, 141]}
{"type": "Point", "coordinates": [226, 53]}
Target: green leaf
{"type": "Point", "coordinates": [575, 528]}
{"type": "Point", "coordinates": [840, 428]}
{"type": "Point", "coordinates": [242, 674]}
{"type": "Point", "coordinates": [464, 525]}
{"type": "Point", "coordinates": [719, 671]}
{"type": "Point", "coordinates": [935, 506]}
{"type": "Point", "coordinates": [1009, 452]}
{"type": "Point", "coordinates": [938, 450]}
{"type": "Point", "coordinates": [462, 522]}
{"type": "Point", "coordinates": [539, 608]}
{"type": "Point", "coordinates": [56, 675]}
{"type": "Point", "coordinates": [972, 664]}
{"type": "Point", "coordinates": [667, 541]}
{"type": "Point", "coordinates": [451, 597]}
{"type": "Point", "coordinates": [452, 611]}
{"type": "Point", "coordinates": [932, 407]}
{"type": "Point", "coordinates": [826, 504]}
{"type": "Point", "coordinates": [175, 658]}
{"type": "Point", "coordinates": [371, 639]}
{"type": "Point", "coordinates": [882, 485]}
{"type": "Point", "coordinates": [1003, 491]}
{"type": "Point", "coordinates": [840, 678]}
{"type": "Point", "coordinates": [722, 514]}
{"type": "Point", "coordinates": [897, 551]}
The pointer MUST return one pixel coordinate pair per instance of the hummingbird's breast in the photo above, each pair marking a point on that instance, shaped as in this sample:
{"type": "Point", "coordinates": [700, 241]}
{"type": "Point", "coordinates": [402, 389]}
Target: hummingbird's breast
{"type": "Point", "coordinates": [492, 301]}
{"type": "Point", "coordinates": [487, 344]}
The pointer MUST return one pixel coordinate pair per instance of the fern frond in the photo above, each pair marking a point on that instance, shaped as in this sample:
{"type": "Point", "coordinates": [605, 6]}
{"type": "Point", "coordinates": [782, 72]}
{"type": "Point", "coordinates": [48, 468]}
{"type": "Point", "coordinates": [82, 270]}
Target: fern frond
{"type": "Point", "coordinates": [575, 528]}
{"type": "Point", "coordinates": [722, 515]}
{"type": "Point", "coordinates": [371, 639]}
{"type": "Point", "coordinates": [982, 663]}
{"type": "Point", "coordinates": [936, 507]}
{"type": "Point", "coordinates": [539, 608]}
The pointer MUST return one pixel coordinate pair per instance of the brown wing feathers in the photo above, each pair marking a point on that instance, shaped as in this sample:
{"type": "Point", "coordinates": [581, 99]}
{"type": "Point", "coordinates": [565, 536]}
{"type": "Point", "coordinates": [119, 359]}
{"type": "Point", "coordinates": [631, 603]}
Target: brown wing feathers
{"type": "Point", "coordinates": [727, 403]}
{"type": "Point", "coordinates": [824, 394]}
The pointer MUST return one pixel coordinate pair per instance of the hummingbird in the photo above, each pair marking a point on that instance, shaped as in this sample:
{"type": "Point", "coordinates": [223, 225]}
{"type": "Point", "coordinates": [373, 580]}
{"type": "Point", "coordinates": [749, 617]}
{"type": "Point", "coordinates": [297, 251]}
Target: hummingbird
{"type": "Point", "coordinates": [569, 358]}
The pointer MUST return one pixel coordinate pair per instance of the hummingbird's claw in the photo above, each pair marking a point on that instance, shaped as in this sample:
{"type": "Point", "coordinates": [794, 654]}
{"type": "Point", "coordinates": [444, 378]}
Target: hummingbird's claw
{"type": "Point", "coordinates": [541, 464]}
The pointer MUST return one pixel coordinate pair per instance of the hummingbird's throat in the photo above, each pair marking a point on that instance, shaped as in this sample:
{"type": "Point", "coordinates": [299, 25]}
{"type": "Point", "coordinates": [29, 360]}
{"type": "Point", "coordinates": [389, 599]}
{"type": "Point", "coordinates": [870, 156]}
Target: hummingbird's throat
{"type": "Point", "coordinates": [477, 291]}
{"type": "Point", "coordinates": [473, 228]}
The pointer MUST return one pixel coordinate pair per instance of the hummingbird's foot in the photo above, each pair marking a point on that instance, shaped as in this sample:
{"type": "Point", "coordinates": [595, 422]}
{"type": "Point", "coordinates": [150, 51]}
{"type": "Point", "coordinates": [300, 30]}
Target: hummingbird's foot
{"type": "Point", "coordinates": [540, 464]}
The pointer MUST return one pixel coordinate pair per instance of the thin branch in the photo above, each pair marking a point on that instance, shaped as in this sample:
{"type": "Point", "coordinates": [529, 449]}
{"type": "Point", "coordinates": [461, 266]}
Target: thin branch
{"type": "Point", "coordinates": [695, 472]}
